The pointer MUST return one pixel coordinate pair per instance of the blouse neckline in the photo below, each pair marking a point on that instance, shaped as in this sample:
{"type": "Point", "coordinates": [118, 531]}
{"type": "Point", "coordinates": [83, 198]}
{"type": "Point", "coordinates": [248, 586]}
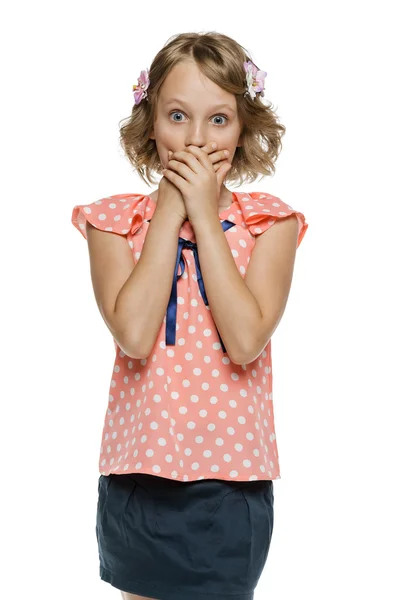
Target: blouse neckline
{"type": "Point", "coordinates": [227, 209]}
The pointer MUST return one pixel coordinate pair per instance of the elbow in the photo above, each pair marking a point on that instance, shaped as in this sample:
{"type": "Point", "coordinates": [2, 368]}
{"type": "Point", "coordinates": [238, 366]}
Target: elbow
{"type": "Point", "coordinates": [138, 345]}
{"type": "Point", "coordinates": [251, 352]}
{"type": "Point", "coordinates": [135, 345]}
{"type": "Point", "coordinates": [238, 355]}
{"type": "Point", "coordinates": [239, 358]}
{"type": "Point", "coordinates": [133, 349]}
{"type": "Point", "coordinates": [243, 359]}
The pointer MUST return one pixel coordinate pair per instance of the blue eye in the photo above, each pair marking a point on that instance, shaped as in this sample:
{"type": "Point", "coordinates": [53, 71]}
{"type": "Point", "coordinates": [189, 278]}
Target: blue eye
{"type": "Point", "coordinates": [180, 112]}
{"type": "Point", "coordinates": [176, 112]}
{"type": "Point", "coordinates": [223, 116]}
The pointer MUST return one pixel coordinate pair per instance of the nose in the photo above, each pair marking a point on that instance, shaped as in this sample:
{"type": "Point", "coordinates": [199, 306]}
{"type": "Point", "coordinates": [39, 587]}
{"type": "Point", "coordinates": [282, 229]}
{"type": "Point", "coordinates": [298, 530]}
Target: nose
{"type": "Point", "coordinates": [196, 136]}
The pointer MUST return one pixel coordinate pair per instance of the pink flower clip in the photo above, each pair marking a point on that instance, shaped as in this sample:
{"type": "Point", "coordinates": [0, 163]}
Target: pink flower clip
{"type": "Point", "coordinates": [140, 90]}
{"type": "Point", "coordinates": [255, 79]}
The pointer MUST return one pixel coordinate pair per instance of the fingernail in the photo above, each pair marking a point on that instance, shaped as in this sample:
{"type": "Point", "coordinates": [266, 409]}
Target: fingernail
{"type": "Point", "coordinates": [213, 145]}
{"type": "Point", "coordinates": [226, 152]}
{"type": "Point", "coordinates": [169, 153]}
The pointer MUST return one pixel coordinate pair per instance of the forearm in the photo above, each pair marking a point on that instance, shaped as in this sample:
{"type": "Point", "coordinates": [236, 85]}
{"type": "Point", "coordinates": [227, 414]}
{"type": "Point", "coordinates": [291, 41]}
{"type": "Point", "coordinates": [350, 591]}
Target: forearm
{"type": "Point", "coordinates": [142, 301]}
{"type": "Point", "coordinates": [234, 309]}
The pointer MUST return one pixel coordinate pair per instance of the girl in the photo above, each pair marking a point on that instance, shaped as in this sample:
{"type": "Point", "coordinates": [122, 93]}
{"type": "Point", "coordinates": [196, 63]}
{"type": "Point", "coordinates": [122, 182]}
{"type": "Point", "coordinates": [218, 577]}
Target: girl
{"type": "Point", "coordinates": [192, 283]}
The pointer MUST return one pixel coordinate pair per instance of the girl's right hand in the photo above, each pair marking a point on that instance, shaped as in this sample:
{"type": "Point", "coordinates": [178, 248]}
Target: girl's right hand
{"type": "Point", "coordinates": [169, 195]}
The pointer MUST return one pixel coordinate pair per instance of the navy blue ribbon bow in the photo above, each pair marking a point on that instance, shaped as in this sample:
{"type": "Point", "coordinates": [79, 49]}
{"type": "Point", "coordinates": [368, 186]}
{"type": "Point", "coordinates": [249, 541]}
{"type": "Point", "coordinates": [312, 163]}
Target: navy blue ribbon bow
{"type": "Point", "coordinates": [172, 305]}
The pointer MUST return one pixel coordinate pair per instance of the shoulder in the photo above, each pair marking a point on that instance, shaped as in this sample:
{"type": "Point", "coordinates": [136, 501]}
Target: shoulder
{"type": "Point", "coordinates": [262, 210]}
{"type": "Point", "coordinates": [120, 213]}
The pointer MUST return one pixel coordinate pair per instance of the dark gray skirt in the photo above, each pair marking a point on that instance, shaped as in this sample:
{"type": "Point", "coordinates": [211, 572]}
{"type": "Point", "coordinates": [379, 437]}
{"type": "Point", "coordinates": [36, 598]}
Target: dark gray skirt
{"type": "Point", "coordinates": [173, 540]}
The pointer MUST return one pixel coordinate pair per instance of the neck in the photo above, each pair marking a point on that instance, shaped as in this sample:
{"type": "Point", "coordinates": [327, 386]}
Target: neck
{"type": "Point", "coordinates": [225, 197]}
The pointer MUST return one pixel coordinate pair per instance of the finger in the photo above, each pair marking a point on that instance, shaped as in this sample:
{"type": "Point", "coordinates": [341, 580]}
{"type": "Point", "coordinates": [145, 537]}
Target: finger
{"type": "Point", "coordinates": [222, 173]}
{"type": "Point", "coordinates": [219, 164]}
{"type": "Point", "coordinates": [201, 156]}
{"type": "Point", "coordinates": [215, 155]}
{"type": "Point", "coordinates": [219, 155]}
{"type": "Point", "coordinates": [182, 168]}
{"type": "Point", "coordinates": [210, 147]}
{"type": "Point", "coordinates": [175, 179]}
{"type": "Point", "coordinates": [187, 158]}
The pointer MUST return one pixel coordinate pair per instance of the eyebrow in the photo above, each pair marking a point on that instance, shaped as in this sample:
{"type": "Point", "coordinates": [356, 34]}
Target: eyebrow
{"type": "Point", "coordinates": [216, 107]}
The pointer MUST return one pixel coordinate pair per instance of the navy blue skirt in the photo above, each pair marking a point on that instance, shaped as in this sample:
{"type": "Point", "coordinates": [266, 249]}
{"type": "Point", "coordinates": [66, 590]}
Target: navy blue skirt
{"type": "Point", "coordinates": [174, 540]}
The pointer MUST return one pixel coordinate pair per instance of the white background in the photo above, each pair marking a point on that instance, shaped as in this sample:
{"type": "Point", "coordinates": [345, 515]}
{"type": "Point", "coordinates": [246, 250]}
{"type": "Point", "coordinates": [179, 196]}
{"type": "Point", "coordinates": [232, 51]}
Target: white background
{"type": "Point", "coordinates": [67, 75]}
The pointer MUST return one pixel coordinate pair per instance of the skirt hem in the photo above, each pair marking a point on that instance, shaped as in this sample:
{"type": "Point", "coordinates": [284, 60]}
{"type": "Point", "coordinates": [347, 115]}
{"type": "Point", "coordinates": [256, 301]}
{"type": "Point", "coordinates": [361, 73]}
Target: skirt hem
{"type": "Point", "coordinates": [146, 588]}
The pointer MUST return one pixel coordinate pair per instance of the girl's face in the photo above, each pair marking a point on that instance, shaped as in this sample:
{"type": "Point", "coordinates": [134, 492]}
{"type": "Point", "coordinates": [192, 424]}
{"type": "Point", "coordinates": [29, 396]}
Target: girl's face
{"type": "Point", "coordinates": [189, 113]}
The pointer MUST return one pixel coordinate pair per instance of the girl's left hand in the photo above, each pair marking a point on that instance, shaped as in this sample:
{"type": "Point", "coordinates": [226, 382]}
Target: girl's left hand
{"type": "Point", "coordinates": [192, 172]}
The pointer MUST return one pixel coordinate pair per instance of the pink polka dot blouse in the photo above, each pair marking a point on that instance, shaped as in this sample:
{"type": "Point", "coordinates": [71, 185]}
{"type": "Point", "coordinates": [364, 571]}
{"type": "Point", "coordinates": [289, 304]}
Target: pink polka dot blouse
{"type": "Point", "coordinates": [187, 412]}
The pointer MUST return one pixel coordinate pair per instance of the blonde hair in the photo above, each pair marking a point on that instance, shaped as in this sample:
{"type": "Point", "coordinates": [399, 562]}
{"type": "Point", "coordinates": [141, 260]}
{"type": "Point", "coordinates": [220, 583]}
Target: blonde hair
{"type": "Point", "coordinates": [220, 58]}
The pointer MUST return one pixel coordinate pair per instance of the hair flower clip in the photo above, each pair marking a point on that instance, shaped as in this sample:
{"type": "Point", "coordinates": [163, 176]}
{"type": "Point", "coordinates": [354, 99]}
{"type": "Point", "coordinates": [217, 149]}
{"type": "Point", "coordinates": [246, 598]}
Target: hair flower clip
{"type": "Point", "coordinates": [140, 90]}
{"type": "Point", "coordinates": [254, 78]}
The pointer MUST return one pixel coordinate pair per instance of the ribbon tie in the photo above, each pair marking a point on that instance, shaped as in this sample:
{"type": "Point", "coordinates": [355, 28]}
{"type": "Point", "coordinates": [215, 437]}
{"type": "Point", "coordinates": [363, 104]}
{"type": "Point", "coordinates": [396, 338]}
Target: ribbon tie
{"type": "Point", "coordinates": [172, 305]}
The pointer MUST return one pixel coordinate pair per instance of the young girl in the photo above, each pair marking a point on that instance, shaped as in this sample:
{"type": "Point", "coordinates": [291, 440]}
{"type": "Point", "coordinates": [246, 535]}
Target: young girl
{"type": "Point", "coordinates": [192, 281]}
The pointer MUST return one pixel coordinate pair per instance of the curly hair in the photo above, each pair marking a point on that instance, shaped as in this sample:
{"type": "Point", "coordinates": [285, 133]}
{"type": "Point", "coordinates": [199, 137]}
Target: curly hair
{"type": "Point", "coordinates": [220, 58]}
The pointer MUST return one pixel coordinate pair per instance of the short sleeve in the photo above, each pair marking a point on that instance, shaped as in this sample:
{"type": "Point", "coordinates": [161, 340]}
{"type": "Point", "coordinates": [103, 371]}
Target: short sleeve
{"type": "Point", "coordinates": [260, 211]}
{"type": "Point", "coordinates": [121, 213]}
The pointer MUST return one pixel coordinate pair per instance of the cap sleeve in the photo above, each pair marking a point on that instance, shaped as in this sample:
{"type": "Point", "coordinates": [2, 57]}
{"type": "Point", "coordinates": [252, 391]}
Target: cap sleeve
{"type": "Point", "coordinates": [122, 213]}
{"type": "Point", "coordinates": [261, 210]}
